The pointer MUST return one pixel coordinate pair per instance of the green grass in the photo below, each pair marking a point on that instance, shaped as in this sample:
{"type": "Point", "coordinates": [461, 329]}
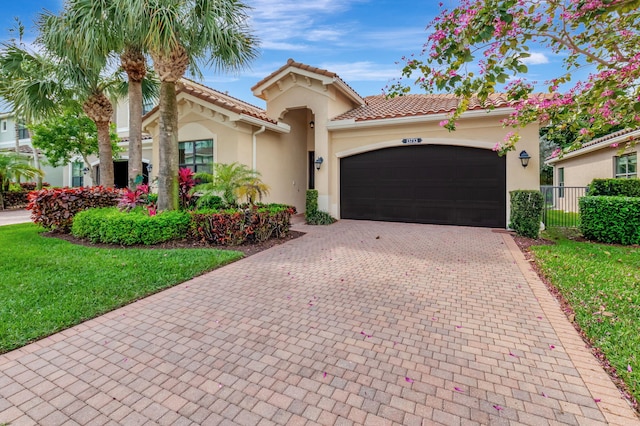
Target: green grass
{"type": "Point", "coordinates": [602, 285]}
{"type": "Point", "coordinates": [561, 218]}
{"type": "Point", "coordinates": [47, 285]}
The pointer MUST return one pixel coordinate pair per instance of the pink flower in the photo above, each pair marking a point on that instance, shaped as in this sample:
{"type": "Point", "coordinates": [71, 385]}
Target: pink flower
{"type": "Point", "coordinates": [408, 379]}
{"type": "Point", "coordinates": [614, 145]}
{"type": "Point", "coordinates": [444, 123]}
{"type": "Point", "coordinates": [629, 369]}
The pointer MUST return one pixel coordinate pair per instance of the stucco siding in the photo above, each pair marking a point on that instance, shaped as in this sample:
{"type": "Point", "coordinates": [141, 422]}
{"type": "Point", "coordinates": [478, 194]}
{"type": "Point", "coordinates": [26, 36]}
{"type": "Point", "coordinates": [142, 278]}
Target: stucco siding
{"type": "Point", "coordinates": [580, 171]}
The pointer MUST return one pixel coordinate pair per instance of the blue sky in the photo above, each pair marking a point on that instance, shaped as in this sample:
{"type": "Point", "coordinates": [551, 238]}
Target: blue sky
{"type": "Point", "coordinates": [360, 40]}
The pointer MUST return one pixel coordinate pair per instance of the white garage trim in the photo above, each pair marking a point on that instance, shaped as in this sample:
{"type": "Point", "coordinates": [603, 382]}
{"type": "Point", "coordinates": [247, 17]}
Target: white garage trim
{"type": "Point", "coordinates": [428, 141]}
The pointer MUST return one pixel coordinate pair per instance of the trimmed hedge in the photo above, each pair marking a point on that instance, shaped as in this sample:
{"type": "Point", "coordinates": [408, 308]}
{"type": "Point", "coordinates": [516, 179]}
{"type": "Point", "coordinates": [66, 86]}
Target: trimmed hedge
{"type": "Point", "coordinates": [312, 215]}
{"type": "Point", "coordinates": [55, 208]}
{"type": "Point", "coordinates": [112, 226]}
{"type": "Point", "coordinates": [14, 199]}
{"type": "Point", "coordinates": [526, 212]}
{"type": "Point", "coordinates": [610, 219]}
{"type": "Point", "coordinates": [237, 226]}
{"type": "Point", "coordinates": [615, 187]}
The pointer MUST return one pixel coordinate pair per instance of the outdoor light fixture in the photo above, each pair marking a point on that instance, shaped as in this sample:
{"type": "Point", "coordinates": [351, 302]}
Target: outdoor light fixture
{"type": "Point", "coordinates": [319, 162]}
{"type": "Point", "coordinates": [85, 170]}
{"type": "Point", "coordinates": [149, 168]}
{"type": "Point", "coordinates": [312, 124]}
{"type": "Point", "coordinates": [524, 158]}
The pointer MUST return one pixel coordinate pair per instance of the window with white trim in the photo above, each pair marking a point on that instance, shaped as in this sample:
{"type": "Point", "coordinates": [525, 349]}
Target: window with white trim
{"type": "Point", "coordinates": [627, 166]}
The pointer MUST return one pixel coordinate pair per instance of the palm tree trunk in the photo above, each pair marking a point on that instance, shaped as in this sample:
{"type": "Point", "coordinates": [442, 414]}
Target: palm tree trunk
{"type": "Point", "coordinates": [135, 132]}
{"type": "Point", "coordinates": [106, 154]}
{"type": "Point", "coordinates": [168, 148]}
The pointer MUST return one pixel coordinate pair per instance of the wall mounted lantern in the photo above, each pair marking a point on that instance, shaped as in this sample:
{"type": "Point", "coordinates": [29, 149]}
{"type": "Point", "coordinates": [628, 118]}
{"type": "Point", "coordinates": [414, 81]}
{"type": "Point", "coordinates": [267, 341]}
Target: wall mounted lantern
{"type": "Point", "coordinates": [312, 124]}
{"type": "Point", "coordinates": [85, 170]}
{"type": "Point", "coordinates": [524, 158]}
{"type": "Point", "coordinates": [149, 168]}
{"type": "Point", "coordinates": [319, 162]}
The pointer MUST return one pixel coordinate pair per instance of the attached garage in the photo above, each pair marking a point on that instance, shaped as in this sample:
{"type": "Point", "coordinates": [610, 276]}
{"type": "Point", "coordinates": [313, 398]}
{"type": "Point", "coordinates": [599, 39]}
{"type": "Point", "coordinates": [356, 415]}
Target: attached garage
{"type": "Point", "coordinates": [437, 184]}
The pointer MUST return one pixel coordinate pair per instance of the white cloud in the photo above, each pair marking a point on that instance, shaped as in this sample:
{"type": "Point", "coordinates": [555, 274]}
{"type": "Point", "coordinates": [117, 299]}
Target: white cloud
{"type": "Point", "coordinates": [362, 71]}
{"type": "Point", "coordinates": [536, 58]}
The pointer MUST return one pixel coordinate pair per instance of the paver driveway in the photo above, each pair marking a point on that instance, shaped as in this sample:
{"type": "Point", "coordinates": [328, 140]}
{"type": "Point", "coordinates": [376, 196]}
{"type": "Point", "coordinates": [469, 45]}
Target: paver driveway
{"type": "Point", "coordinates": [356, 323]}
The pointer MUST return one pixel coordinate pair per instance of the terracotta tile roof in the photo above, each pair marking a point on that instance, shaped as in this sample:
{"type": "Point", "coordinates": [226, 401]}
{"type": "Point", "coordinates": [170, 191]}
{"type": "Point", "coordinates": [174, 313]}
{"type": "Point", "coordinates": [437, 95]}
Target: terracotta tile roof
{"type": "Point", "coordinates": [220, 99]}
{"type": "Point", "coordinates": [609, 137]}
{"type": "Point", "coordinates": [145, 137]}
{"type": "Point", "coordinates": [379, 107]}
{"type": "Point", "coordinates": [23, 149]}
{"type": "Point", "coordinates": [304, 67]}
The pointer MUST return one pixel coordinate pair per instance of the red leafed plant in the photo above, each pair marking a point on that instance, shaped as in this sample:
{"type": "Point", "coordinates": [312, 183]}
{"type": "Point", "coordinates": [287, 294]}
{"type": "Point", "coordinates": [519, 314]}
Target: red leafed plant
{"type": "Point", "coordinates": [131, 199]}
{"type": "Point", "coordinates": [55, 208]}
{"type": "Point", "coordinates": [186, 183]}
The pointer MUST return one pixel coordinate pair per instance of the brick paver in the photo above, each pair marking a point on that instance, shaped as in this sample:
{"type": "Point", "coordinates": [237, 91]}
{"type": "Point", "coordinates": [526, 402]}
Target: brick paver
{"type": "Point", "coordinates": [355, 323]}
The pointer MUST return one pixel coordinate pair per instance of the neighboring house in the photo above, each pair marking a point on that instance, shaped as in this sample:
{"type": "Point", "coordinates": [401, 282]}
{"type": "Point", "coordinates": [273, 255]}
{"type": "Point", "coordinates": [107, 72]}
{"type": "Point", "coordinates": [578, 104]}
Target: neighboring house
{"type": "Point", "coordinates": [611, 156]}
{"type": "Point", "coordinates": [605, 157]}
{"type": "Point", "coordinates": [76, 173]}
{"type": "Point", "coordinates": [369, 158]}
{"type": "Point", "coordinates": [54, 175]}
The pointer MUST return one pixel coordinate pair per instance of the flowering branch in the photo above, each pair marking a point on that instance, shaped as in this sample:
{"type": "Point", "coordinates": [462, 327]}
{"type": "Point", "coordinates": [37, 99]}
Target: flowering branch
{"type": "Point", "coordinates": [496, 37]}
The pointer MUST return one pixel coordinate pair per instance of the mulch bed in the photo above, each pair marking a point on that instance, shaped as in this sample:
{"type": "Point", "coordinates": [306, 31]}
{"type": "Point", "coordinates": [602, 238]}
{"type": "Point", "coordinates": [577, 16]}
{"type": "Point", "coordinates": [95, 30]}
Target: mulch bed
{"type": "Point", "coordinates": [247, 249]}
{"type": "Point", "coordinates": [524, 244]}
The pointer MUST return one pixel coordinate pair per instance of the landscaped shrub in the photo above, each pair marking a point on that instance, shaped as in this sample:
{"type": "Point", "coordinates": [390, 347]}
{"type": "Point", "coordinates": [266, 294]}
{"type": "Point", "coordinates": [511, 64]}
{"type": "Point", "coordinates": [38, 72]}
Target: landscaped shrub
{"type": "Point", "coordinates": [615, 187]}
{"type": "Point", "coordinates": [610, 219]}
{"type": "Point", "coordinates": [55, 208]}
{"type": "Point", "coordinates": [14, 199]}
{"type": "Point", "coordinates": [237, 226]}
{"type": "Point", "coordinates": [311, 205]}
{"type": "Point", "coordinates": [31, 186]}
{"type": "Point", "coordinates": [312, 215]}
{"type": "Point", "coordinates": [209, 201]}
{"type": "Point", "coordinates": [526, 212]}
{"type": "Point", "coordinates": [112, 226]}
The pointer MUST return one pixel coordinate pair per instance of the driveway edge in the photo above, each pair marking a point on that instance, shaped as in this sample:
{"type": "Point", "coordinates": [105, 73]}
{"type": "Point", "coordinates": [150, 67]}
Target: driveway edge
{"type": "Point", "coordinates": [613, 405]}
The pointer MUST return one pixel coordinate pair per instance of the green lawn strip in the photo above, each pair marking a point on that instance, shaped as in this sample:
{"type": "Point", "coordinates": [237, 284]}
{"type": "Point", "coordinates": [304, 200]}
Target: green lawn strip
{"type": "Point", "coordinates": [602, 285]}
{"type": "Point", "coordinates": [561, 218]}
{"type": "Point", "coordinates": [47, 285]}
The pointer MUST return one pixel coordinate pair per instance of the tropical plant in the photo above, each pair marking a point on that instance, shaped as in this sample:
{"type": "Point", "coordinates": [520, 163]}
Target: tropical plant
{"type": "Point", "coordinates": [475, 48]}
{"type": "Point", "coordinates": [99, 30]}
{"type": "Point", "coordinates": [232, 182]}
{"type": "Point", "coordinates": [13, 166]}
{"type": "Point", "coordinates": [180, 34]}
{"type": "Point", "coordinates": [186, 182]}
{"type": "Point", "coordinates": [40, 85]}
{"type": "Point", "coordinates": [132, 198]}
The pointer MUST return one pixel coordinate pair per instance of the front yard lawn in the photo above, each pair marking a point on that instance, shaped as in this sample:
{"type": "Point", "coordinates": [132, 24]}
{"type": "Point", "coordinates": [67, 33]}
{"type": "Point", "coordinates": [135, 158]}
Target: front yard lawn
{"type": "Point", "coordinates": [601, 283]}
{"type": "Point", "coordinates": [47, 285]}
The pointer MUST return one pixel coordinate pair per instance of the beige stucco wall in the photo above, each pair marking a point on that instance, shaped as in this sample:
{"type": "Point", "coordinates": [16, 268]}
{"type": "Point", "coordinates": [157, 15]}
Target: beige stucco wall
{"type": "Point", "coordinates": [581, 170]}
{"type": "Point", "coordinates": [481, 132]}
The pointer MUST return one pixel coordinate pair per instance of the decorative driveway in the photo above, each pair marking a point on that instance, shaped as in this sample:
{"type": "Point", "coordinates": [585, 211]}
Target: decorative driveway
{"type": "Point", "coordinates": [356, 323]}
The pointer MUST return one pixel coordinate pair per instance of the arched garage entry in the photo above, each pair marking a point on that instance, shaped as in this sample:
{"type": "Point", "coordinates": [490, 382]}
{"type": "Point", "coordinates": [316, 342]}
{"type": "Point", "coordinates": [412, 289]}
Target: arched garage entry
{"type": "Point", "coordinates": [436, 184]}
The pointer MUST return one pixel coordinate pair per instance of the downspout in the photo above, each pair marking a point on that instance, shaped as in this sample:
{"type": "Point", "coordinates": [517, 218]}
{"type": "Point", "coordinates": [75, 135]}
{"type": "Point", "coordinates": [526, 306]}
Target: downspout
{"type": "Point", "coordinates": [255, 147]}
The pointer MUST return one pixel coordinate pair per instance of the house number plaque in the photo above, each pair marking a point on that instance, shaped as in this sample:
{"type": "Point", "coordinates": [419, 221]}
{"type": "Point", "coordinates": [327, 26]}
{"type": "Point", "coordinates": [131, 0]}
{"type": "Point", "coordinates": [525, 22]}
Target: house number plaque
{"type": "Point", "coordinates": [411, 140]}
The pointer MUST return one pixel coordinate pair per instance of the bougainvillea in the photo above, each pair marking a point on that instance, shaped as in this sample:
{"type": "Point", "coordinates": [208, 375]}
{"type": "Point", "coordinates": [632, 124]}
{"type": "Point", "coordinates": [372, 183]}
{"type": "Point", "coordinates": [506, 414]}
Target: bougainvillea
{"type": "Point", "coordinates": [477, 47]}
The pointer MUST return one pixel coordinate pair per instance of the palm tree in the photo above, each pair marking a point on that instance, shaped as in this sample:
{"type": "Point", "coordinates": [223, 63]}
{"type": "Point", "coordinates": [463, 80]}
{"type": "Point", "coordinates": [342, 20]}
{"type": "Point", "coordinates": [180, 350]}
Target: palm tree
{"type": "Point", "coordinates": [100, 29]}
{"type": "Point", "coordinates": [40, 85]}
{"type": "Point", "coordinates": [232, 181]}
{"type": "Point", "coordinates": [12, 167]}
{"type": "Point", "coordinates": [178, 35]}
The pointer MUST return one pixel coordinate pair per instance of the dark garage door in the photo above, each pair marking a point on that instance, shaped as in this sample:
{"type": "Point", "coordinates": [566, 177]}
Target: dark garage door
{"type": "Point", "coordinates": [425, 184]}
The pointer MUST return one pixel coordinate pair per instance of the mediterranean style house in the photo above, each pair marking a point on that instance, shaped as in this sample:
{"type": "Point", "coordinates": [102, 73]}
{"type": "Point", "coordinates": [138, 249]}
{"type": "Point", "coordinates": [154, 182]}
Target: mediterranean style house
{"type": "Point", "coordinates": [369, 157]}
